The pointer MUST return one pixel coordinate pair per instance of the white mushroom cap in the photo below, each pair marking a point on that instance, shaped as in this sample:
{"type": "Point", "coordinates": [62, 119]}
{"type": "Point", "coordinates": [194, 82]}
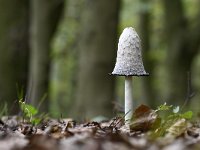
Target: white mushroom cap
{"type": "Point", "coordinates": [129, 57]}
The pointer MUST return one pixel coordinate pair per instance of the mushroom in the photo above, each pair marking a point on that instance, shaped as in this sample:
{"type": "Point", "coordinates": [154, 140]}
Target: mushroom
{"type": "Point", "coordinates": [129, 63]}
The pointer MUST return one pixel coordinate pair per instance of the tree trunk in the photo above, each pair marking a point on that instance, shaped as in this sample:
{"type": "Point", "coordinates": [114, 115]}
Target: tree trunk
{"type": "Point", "coordinates": [95, 88]}
{"type": "Point", "coordinates": [14, 49]}
{"type": "Point", "coordinates": [64, 70]}
{"type": "Point", "coordinates": [44, 20]}
{"type": "Point", "coordinates": [148, 92]}
{"type": "Point", "coordinates": [183, 44]}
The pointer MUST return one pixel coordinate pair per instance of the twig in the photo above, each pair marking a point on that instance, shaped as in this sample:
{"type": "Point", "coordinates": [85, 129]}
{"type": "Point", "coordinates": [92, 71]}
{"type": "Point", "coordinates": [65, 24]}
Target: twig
{"type": "Point", "coordinates": [190, 93]}
{"type": "Point", "coordinates": [112, 123]}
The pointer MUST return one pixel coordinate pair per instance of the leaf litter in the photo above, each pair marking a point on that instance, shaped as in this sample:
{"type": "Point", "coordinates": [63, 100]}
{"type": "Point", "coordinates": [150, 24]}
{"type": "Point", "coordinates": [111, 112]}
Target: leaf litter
{"type": "Point", "coordinates": [148, 130]}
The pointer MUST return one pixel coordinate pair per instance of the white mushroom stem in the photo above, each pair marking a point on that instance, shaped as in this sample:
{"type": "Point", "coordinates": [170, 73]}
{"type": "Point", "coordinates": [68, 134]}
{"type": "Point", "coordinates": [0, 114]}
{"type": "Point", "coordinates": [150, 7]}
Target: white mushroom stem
{"type": "Point", "coordinates": [128, 98]}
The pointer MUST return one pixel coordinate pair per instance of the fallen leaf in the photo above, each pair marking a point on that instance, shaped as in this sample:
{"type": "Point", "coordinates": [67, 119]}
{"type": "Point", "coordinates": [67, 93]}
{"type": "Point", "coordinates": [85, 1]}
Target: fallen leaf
{"type": "Point", "coordinates": [143, 118]}
{"type": "Point", "coordinates": [178, 128]}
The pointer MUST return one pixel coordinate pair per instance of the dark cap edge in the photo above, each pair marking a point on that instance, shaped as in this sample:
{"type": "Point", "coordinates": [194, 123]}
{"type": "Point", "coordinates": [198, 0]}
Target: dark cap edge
{"type": "Point", "coordinates": [147, 74]}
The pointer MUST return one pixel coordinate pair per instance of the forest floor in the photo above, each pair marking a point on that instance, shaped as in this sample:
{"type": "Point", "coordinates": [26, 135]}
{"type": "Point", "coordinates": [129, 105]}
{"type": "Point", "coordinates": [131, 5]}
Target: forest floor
{"type": "Point", "coordinates": [65, 134]}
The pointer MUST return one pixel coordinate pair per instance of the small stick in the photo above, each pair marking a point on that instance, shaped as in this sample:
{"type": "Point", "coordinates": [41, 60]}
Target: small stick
{"type": "Point", "coordinates": [190, 92]}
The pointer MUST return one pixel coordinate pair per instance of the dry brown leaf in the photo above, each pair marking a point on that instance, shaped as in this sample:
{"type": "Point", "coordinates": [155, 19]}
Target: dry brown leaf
{"type": "Point", "coordinates": [143, 118]}
{"type": "Point", "coordinates": [178, 128]}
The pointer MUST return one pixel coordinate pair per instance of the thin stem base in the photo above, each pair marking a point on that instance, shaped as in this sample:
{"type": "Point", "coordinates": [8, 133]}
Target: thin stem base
{"type": "Point", "coordinates": [128, 98]}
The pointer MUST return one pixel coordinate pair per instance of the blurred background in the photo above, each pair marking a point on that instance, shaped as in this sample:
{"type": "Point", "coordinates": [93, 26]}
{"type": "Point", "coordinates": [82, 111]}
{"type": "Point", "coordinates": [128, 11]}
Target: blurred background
{"type": "Point", "coordinates": [57, 54]}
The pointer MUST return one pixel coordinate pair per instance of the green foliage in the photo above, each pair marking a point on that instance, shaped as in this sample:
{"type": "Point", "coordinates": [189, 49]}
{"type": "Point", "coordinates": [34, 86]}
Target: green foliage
{"type": "Point", "coordinates": [187, 115]}
{"type": "Point", "coordinates": [4, 110]}
{"type": "Point", "coordinates": [165, 120]}
{"type": "Point", "coordinates": [27, 109]}
{"type": "Point", "coordinates": [174, 123]}
{"type": "Point", "coordinates": [164, 107]}
{"type": "Point", "coordinates": [29, 112]}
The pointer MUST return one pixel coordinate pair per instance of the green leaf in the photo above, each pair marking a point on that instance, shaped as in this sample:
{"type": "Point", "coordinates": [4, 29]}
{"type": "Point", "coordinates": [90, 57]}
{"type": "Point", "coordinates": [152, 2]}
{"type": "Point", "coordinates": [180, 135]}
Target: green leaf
{"type": "Point", "coordinates": [187, 115]}
{"type": "Point", "coordinates": [28, 110]}
{"type": "Point", "coordinates": [36, 121]}
{"type": "Point", "coordinates": [164, 107]}
{"type": "Point", "coordinates": [32, 110]}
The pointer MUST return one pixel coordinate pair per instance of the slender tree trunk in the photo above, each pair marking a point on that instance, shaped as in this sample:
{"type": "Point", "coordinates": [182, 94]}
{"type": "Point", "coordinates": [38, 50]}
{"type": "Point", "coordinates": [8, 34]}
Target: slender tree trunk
{"type": "Point", "coordinates": [14, 49]}
{"type": "Point", "coordinates": [95, 88]}
{"type": "Point", "coordinates": [148, 92]}
{"type": "Point", "coordinates": [183, 44]}
{"type": "Point", "coordinates": [64, 70]}
{"type": "Point", "coordinates": [44, 20]}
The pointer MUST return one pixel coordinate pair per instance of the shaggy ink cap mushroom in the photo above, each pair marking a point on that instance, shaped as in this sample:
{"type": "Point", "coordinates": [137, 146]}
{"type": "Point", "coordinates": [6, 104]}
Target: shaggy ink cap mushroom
{"type": "Point", "coordinates": [129, 63]}
{"type": "Point", "coordinates": [129, 57]}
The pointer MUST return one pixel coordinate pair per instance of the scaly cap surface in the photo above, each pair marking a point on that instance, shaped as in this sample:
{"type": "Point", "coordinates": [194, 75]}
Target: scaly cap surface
{"type": "Point", "coordinates": [129, 57]}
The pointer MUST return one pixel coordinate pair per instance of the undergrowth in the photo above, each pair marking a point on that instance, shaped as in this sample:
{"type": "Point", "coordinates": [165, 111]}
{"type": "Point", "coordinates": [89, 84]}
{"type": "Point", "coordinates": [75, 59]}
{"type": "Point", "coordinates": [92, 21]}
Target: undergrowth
{"type": "Point", "coordinates": [29, 112]}
{"type": "Point", "coordinates": [173, 121]}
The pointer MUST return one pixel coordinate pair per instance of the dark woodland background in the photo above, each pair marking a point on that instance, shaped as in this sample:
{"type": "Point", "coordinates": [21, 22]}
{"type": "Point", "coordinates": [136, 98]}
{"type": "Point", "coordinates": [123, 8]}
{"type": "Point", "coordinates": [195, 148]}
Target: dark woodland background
{"type": "Point", "coordinates": [59, 53]}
